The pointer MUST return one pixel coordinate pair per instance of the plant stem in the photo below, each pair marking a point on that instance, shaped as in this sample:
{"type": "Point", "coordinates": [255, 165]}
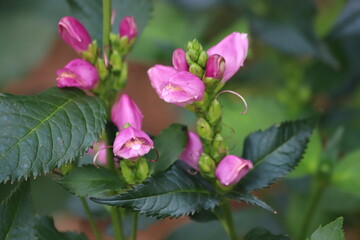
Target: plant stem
{"type": "Point", "coordinates": [106, 25]}
{"type": "Point", "coordinates": [90, 218]}
{"type": "Point", "coordinates": [134, 226]}
{"type": "Point", "coordinates": [225, 217]}
{"type": "Point", "coordinates": [316, 194]}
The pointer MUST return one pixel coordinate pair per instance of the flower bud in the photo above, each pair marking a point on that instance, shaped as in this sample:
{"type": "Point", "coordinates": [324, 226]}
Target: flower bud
{"type": "Point", "coordinates": [77, 73]}
{"type": "Point", "coordinates": [196, 70]}
{"type": "Point", "coordinates": [179, 60]}
{"type": "Point", "coordinates": [116, 61]}
{"type": "Point", "coordinates": [192, 151]}
{"type": "Point", "coordinates": [215, 67]}
{"type": "Point", "coordinates": [214, 113]}
{"type": "Point", "coordinates": [231, 169]}
{"type": "Point", "coordinates": [219, 148]}
{"type": "Point", "coordinates": [203, 57]}
{"type": "Point", "coordinates": [131, 143]}
{"type": "Point", "coordinates": [101, 68]}
{"type": "Point", "coordinates": [127, 172]}
{"type": "Point", "coordinates": [90, 54]}
{"type": "Point", "coordinates": [128, 28]}
{"type": "Point", "coordinates": [207, 166]}
{"type": "Point", "coordinates": [204, 129]}
{"type": "Point", "coordinates": [120, 80]}
{"type": "Point", "coordinates": [125, 111]}
{"type": "Point", "coordinates": [192, 56]}
{"type": "Point", "coordinates": [142, 169]}
{"type": "Point", "coordinates": [74, 34]}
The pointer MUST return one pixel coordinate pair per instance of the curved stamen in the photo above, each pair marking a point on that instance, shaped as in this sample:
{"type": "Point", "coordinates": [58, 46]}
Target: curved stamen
{"type": "Point", "coordinates": [97, 154]}
{"type": "Point", "coordinates": [192, 172]}
{"type": "Point", "coordinates": [238, 95]}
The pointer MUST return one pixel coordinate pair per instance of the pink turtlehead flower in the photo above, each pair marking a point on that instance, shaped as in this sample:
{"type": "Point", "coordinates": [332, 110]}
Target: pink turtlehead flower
{"type": "Point", "coordinates": [77, 73]}
{"type": "Point", "coordinates": [233, 48]}
{"type": "Point", "coordinates": [231, 169]}
{"type": "Point", "coordinates": [179, 60]}
{"type": "Point", "coordinates": [215, 67]}
{"type": "Point", "coordinates": [128, 28]}
{"type": "Point", "coordinates": [125, 111]}
{"type": "Point", "coordinates": [192, 151]}
{"type": "Point", "coordinates": [131, 143]}
{"type": "Point", "coordinates": [74, 34]}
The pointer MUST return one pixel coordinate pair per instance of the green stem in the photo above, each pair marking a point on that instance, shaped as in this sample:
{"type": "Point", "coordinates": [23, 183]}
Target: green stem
{"type": "Point", "coordinates": [90, 218]}
{"type": "Point", "coordinates": [316, 194]}
{"type": "Point", "coordinates": [225, 217]}
{"type": "Point", "coordinates": [106, 25]}
{"type": "Point", "coordinates": [134, 227]}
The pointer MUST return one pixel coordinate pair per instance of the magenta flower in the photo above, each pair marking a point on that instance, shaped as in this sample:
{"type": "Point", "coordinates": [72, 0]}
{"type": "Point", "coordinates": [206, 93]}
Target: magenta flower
{"type": "Point", "coordinates": [192, 151]}
{"type": "Point", "coordinates": [215, 67]}
{"type": "Point", "coordinates": [179, 60]}
{"type": "Point", "coordinates": [234, 49]}
{"type": "Point", "coordinates": [125, 111]}
{"type": "Point", "coordinates": [180, 88]}
{"type": "Point", "coordinates": [128, 28]}
{"type": "Point", "coordinates": [77, 73]}
{"type": "Point", "coordinates": [74, 34]}
{"type": "Point", "coordinates": [131, 143]}
{"type": "Point", "coordinates": [231, 169]}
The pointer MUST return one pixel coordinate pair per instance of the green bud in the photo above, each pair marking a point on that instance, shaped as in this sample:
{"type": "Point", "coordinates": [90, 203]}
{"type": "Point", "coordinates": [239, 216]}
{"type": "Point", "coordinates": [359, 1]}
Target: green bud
{"type": "Point", "coordinates": [124, 43]}
{"type": "Point", "coordinates": [204, 129]}
{"type": "Point", "coordinates": [214, 113]}
{"type": "Point", "coordinates": [195, 44]}
{"type": "Point", "coordinates": [101, 68]}
{"type": "Point", "coordinates": [116, 61]}
{"type": "Point", "coordinates": [192, 55]}
{"type": "Point", "coordinates": [221, 188]}
{"type": "Point", "coordinates": [211, 84]}
{"type": "Point", "coordinates": [196, 70]}
{"type": "Point", "coordinates": [219, 148]}
{"type": "Point", "coordinates": [120, 82]}
{"type": "Point", "coordinates": [115, 41]}
{"type": "Point", "coordinates": [91, 54]}
{"type": "Point", "coordinates": [207, 166]}
{"type": "Point", "coordinates": [203, 57]}
{"type": "Point", "coordinates": [127, 172]}
{"type": "Point", "coordinates": [202, 105]}
{"type": "Point", "coordinates": [142, 169]}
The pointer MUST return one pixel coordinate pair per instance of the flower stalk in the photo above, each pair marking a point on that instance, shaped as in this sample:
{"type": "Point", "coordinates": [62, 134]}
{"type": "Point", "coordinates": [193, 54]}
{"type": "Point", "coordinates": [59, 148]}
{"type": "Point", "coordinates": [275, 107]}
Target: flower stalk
{"type": "Point", "coordinates": [90, 218]}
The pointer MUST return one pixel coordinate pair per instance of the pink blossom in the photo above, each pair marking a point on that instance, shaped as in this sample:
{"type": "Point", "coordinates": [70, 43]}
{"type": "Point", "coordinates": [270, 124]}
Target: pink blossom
{"type": "Point", "coordinates": [215, 67]}
{"type": "Point", "coordinates": [231, 169]}
{"type": "Point", "coordinates": [179, 60]}
{"type": "Point", "coordinates": [77, 73]}
{"type": "Point", "coordinates": [128, 28]}
{"type": "Point", "coordinates": [74, 34]}
{"type": "Point", "coordinates": [192, 151]}
{"type": "Point", "coordinates": [125, 111]}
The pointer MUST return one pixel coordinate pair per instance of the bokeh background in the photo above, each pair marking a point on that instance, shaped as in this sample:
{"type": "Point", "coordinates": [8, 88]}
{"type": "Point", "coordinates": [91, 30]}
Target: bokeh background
{"type": "Point", "coordinates": [304, 60]}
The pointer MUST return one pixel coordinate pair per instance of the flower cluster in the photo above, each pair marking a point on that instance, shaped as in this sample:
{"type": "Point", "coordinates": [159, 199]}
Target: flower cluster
{"type": "Point", "coordinates": [193, 82]}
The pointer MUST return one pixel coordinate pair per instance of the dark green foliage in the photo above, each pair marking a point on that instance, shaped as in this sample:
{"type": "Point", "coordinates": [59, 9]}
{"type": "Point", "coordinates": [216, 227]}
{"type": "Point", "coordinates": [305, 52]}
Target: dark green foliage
{"type": "Point", "coordinates": [263, 234]}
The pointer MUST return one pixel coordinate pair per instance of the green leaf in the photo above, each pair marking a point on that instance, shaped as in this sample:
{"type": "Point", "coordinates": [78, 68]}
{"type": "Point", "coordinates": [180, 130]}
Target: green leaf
{"type": "Point", "coordinates": [46, 230]}
{"type": "Point", "coordinates": [274, 153]}
{"type": "Point", "coordinates": [42, 132]}
{"type": "Point", "coordinates": [91, 181]}
{"type": "Point", "coordinates": [171, 194]}
{"type": "Point", "coordinates": [263, 234]}
{"type": "Point", "coordinates": [170, 144]}
{"type": "Point", "coordinates": [89, 12]}
{"type": "Point", "coordinates": [346, 175]}
{"type": "Point", "coordinates": [331, 231]}
{"type": "Point", "coordinates": [17, 217]}
{"type": "Point", "coordinates": [251, 199]}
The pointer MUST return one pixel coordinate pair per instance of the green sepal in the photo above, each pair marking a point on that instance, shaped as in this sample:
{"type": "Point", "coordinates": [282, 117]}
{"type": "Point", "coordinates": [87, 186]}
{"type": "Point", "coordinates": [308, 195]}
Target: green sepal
{"type": "Point", "coordinates": [203, 57]}
{"type": "Point", "coordinates": [101, 68]}
{"type": "Point", "coordinates": [211, 84]}
{"type": "Point", "coordinates": [90, 55]}
{"type": "Point", "coordinates": [207, 166]}
{"type": "Point", "coordinates": [142, 170]}
{"type": "Point", "coordinates": [204, 130]}
{"type": "Point", "coordinates": [214, 113]}
{"type": "Point", "coordinates": [221, 188]}
{"type": "Point", "coordinates": [219, 148]}
{"type": "Point", "coordinates": [192, 56]}
{"type": "Point", "coordinates": [127, 172]}
{"type": "Point", "coordinates": [116, 62]}
{"type": "Point", "coordinates": [196, 69]}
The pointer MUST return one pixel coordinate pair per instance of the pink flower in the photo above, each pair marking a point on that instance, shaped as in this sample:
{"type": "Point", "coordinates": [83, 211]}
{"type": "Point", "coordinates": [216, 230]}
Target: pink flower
{"type": "Point", "coordinates": [128, 28]}
{"type": "Point", "coordinates": [74, 34]}
{"type": "Point", "coordinates": [77, 73]}
{"type": "Point", "coordinates": [125, 111]}
{"type": "Point", "coordinates": [131, 143]}
{"type": "Point", "coordinates": [231, 169]}
{"type": "Point", "coordinates": [192, 151]}
{"type": "Point", "coordinates": [215, 67]}
{"type": "Point", "coordinates": [234, 49]}
{"type": "Point", "coordinates": [179, 60]}
{"type": "Point", "coordinates": [180, 88]}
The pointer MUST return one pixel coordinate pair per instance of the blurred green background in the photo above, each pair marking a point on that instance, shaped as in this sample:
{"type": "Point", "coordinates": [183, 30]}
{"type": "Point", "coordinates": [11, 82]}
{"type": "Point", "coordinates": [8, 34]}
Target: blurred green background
{"type": "Point", "coordinates": [304, 60]}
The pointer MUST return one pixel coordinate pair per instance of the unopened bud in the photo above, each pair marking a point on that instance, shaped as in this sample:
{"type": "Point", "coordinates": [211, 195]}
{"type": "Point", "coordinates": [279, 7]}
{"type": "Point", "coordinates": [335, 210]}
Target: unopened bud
{"type": "Point", "coordinates": [142, 169]}
{"type": "Point", "coordinates": [196, 70]}
{"type": "Point", "coordinates": [192, 56]}
{"type": "Point", "coordinates": [125, 111]}
{"type": "Point", "coordinates": [179, 60]}
{"type": "Point", "coordinates": [116, 61]}
{"type": "Point", "coordinates": [101, 67]}
{"type": "Point", "coordinates": [214, 113]}
{"type": "Point", "coordinates": [91, 54]}
{"type": "Point", "coordinates": [231, 169]}
{"type": "Point", "coordinates": [127, 172]}
{"type": "Point", "coordinates": [128, 28]}
{"type": "Point", "coordinates": [204, 129]}
{"type": "Point", "coordinates": [219, 148]}
{"type": "Point", "coordinates": [194, 44]}
{"type": "Point", "coordinates": [202, 60]}
{"type": "Point", "coordinates": [115, 42]}
{"type": "Point", "coordinates": [207, 166]}
{"type": "Point", "coordinates": [215, 67]}
{"type": "Point", "coordinates": [120, 81]}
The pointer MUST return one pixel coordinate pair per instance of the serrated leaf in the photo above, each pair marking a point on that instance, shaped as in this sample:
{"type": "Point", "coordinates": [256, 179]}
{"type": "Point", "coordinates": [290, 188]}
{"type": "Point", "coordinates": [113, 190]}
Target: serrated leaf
{"type": "Point", "coordinates": [170, 144]}
{"type": "Point", "coordinates": [42, 132]}
{"type": "Point", "coordinates": [263, 234]}
{"type": "Point", "coordinates": [89, 12]}
{"type": "Point", "coordinates": [17, 217]}
{"type": "Point", "coordinates": [274, 153]}
{"type": "Point", "coordinates": [45, 230]}
{"type": "Point", "coordinates": [331, 231]}
{"type": "Point", "coordinates": [251, 199]}
{"type": "Point", "coordinates": [171, 194]}
{"type": "Point", "coordinates": [91, 181]}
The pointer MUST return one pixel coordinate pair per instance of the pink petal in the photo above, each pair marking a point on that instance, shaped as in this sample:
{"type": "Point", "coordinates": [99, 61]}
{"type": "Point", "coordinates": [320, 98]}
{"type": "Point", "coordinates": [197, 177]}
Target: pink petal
{"type": "Point", "coordinates": [179, 60]}
{"type": "Point", "coordinates": [231, 169]}
{"type": "Point", "coordinates": [159, 74]}
{"type": "Point", "coordinates": [192, 151]}
{"type": "Point", "coordinates": [125, 111]}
